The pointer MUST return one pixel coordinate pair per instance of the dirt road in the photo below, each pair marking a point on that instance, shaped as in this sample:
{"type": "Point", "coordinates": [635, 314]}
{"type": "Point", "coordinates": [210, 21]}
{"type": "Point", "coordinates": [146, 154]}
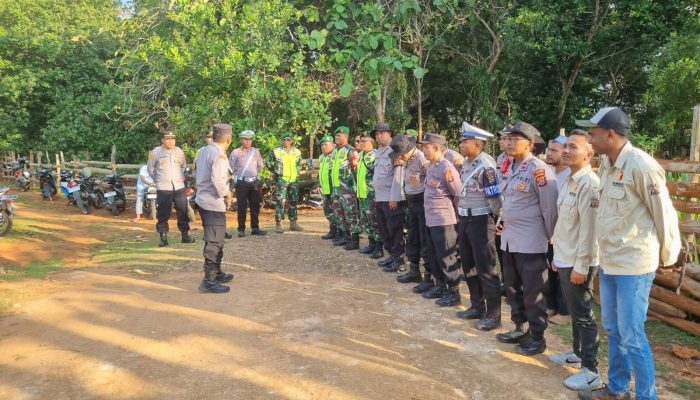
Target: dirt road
{"type": "Point", "coordinates": [304, 320]}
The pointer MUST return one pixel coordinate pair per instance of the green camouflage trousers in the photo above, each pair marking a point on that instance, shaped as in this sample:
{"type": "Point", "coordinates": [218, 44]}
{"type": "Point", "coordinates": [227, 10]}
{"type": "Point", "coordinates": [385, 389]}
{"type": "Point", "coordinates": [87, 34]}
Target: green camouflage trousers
{"type": "Point", "coordinates": [345, 210]}
{"type": "Point", "coordinates": [368, 216]}
{"type": "Point", "coordinates": [328, 208]}
{"type": "Point", "coordinates": [286, 197]}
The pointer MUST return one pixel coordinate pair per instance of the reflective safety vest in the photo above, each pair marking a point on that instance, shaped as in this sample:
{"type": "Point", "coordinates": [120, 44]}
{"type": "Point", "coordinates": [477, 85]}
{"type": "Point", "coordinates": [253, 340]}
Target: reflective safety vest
{"type": "Point", "coordinates": [365, 172]}
{"type": "Point", "coordinates": [324, 173]}
{"type": "Point", "coordinates": [287, 163]}
{"type": "Point", "coordinates": [341, 172]}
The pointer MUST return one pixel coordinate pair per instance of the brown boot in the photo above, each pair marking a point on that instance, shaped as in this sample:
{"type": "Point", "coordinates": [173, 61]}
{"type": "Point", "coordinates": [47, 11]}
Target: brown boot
{"type": "Point", "coordinates": [294, 227]}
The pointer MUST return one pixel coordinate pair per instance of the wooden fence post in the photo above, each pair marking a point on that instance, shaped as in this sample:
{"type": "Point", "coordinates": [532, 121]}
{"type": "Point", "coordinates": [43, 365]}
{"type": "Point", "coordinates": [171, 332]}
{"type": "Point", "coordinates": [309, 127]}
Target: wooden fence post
{"type": "Point", "coordinates": [114, 159]}
{"type": "Point", "coordinates": [695, 135]}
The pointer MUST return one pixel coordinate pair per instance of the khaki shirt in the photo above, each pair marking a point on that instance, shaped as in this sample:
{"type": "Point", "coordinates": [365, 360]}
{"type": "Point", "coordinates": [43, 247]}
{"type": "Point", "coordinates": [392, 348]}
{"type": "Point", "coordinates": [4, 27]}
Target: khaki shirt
{"type": "Point", "coordinates": [441, 194]}
{"type": "Point", "coordinates": [529, 206]}
{"type": "Point", "coordinates": [212, 178]}
{"type": "Point", "coordinates": [454, 157]}
{"type": "Point", "coordinates": [166, 167]}
{"type": "Point", "coordinates": [387, 179]}
{"type": "Point", "coordinates": [414, 173]}
{"type": "Point", "coordinates": [239, 158]}
{"type": "Point", "coordinates": [480, 184]}
{"type": "Point", "coordinates": [574, 235]}
{"type": "Point", "coordinates": [636, 225]}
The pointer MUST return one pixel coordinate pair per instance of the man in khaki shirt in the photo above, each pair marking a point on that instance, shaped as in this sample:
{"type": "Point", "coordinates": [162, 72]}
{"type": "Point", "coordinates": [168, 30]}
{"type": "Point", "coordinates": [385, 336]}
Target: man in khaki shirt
{"type": "Point", "coordinates": [575, 259]}
{"type": "Point", "coordinates": [636, 229]}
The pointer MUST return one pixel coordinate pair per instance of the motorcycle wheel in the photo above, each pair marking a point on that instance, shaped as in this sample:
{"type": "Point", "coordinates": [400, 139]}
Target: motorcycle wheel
{"type": "Point", "coordinates": [25, 187]}
{"type": "Point", "coordinates": [115, 210]}
{"type": "Point", "coordinates": [5, 224]}
{"type": "Point", "coordinates": [79, 202]}
{"type": "Point", "coordinates": [153, 210]}
{"type": "Point", "coordinates": [100, 202]}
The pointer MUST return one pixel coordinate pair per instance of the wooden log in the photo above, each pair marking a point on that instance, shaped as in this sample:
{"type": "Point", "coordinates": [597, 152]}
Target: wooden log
{"type": "Point", "coordinates": [666, 309]}
{"type": "Point", "coordinates": [670, 280]}
{"type": "Point", "coordinates": [679, 301]}
{"type": "Point", "coordinates": [684, 325]}
{"type": "Point", "coordinates": [693, 271]}
{"type": "Point", "coordinates": [689, 226]}
{"type": "Point", "coordinates": [38, 159]}
{"type": "Point", "coordinates": [685, 166]}
{"type": "Point", "coordinates": [686, 206]}
{"type": "Point", "coordinates": [687, 189]}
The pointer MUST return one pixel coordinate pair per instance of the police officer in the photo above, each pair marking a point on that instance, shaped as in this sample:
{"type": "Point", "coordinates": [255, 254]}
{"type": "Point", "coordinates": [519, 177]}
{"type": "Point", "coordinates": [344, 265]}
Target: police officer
{"type": "Point", "coordinates": [213, 198]}
{"type": "Point", "coordinates": [529, 215]}
{"type": "Point", "coordinates": [324, 180]}
{"type": "Point", "coordinates": [246, 163]}
{"type": "Point", "coordinates": [415, 166]}
{"type": "Point", "coordinates": [388, 188]}
{"type": "Point", "coordinates": [166, 165]}
{"type": "Point", "coordinates": [442, 187]}
{"type": "Point", "coordinates": [344, 162]}
{"type": "Point", "coordinates": [286, 166]}
{"type": "Point", "coordinates": [479, 205]}
{"type": "Point", "coordinates": [452, 156]}
{"type": "Point", "coordinates": [208, 140]}
{"type": "Point", "coordinates": [366, 196]}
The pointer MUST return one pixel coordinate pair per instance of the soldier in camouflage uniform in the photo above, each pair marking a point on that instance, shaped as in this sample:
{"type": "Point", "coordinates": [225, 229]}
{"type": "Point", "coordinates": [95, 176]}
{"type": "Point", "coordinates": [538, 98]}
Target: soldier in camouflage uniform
{"type": "Point", "coordinates": [344, 162]}
{"type": "Point", "coordinates": [366, 198]}
{"type": "Point", "coordinates": [324, 180]}
{"type": "Point", "coordinates": [286, 165]}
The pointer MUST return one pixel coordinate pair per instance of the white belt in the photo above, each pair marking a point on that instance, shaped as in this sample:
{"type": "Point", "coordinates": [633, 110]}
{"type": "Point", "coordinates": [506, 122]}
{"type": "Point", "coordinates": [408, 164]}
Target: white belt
{"type": "Point", "coordinates": [248, 179]}
{"type": "Point", "coordinates": [473, 212]}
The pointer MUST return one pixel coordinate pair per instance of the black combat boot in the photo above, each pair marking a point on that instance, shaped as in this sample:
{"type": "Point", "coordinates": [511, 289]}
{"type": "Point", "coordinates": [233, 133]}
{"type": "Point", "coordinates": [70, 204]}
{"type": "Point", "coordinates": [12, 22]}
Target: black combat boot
{"type": "Point", "coordinates": [332, 232]}
{"type": "Point", "coordinates": [397, 266]}
{"type": "Point", "coordinates": [425, 285]}
{"type": "Point", "coordinates": [186, 238]}
{"type": "Point", "coordinates": [436, 291]}
{"type": "Point", "coordinates": [223, 277]}
{"type": "Point", "coordinates": [451, 297]}
{"type": "Point", "coordinates": [517, 335]}
{"type": "Point", "coordinates": [488, 323]}
{"type": "Point", "coordinates": [353, 243]}
{"type": "Point", "coordinates": [383, 263]}
{"type": "Point", "coordinates": [163, 239]}
{"type": "Point", "coordinates": [211, 285]}
{"type": "Point", "coordinates": [258, 232]}
{"type": "Point", "coordinates": [227, 235]}
{"type": "Point", "coordinates": [532, 344]}
{"type": "Point", "coordinates": [413, 274]}
{"type": "Point", "coordinates": [471, 313]}
{"type": "Point", "coordinates": [378, 251]}
{"type": "Point", "coordinates": [369, 249]}
{"type": "Point", "coordinates": [341, 239]}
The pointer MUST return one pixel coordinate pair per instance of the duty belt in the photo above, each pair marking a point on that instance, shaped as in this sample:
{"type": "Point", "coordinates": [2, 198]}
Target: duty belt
{"type": "Point", "coordinates": [247, 179]}
{"type": "Point", "coordinates": [473, 212]}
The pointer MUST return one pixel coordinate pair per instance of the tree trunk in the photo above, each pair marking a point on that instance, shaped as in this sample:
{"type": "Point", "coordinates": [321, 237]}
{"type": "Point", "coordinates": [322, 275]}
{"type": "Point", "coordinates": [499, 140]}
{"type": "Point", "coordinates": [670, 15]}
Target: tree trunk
{"type": "Point", "coordinates": [419, 88]}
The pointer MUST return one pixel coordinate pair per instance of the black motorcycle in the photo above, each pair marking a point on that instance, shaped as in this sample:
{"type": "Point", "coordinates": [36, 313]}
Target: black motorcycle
{"type": "Point", "coordinates": [70, 187]}
{"type": "Point", "coordinates": [115, 199]}
{"type": "Point", "coordinates": [48, 184]}
{"type": "Point", "coordinates": [309, 194]}
{"type": "Point", "coordinates": [22, 177]}
{"type": "Point", "coordinates": [90, 192]}
{"type": "Point", "coordinates": [7, 211]}
{"type": "Point", "coordinates": [150, 206]}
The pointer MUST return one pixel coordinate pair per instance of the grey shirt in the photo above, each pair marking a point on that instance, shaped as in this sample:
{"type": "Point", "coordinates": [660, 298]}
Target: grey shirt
{"type": "Point", "coordinates": [167, 167]}
{"type": "Point", "coordinates": [387, 179]}
{"type": "Point", "coordinates": [529, 207]}
{"type": "Point", "coordinates": [441, 195]}
{"type": "Point", "coordinates": [454, 157]}
{"type": "Point", "coordinates": [561, 177]}
{"type": "Point", "coordinates": [480, 184]}
{"type": "Point", "coordinates": [212, 178]}
{"type": "Point", "coordinates": [239, 158]}
{"type": "Point", "coordinates": [414, 173]}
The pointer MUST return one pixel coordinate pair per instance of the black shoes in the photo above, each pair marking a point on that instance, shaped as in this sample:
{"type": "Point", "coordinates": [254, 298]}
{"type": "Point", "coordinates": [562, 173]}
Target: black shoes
{"type": "Point", "coordinates": [241, 233]}
{"type": "Point", "coordinates": [378, 251]}
{"type": "Point", "coordinates": [369, 249]}
{"type": "Point", "coordinates": [341, 239]}
{"type": "Point", "coordinates": [515, 336]}
{"type": "Point", "coordinates": [353, 242]}
{"type": "Point", "coordinates": [488, 324]}
{"type": "Point", "coordinates": [436, 291]}
{"type": "Point", "coordinates": [186, 238]}
{"type": "Point", "coordinates": [383, 263]}
{"type": "Point", "coordinates": [258, 232]}
{"type": "Point", "coordinates": [425, 285]}
{"type": "Point", "coordinates": [227, 235]}
{"type": "Point", "coordinates": [210, 283]}
{"type": "Point", "coordinates": [413, 274]}
{"type": "Point", "coordinates": [332, 233]}
{"type": "Point", "coordinates": [163, 240]}
{"type": "Point", "coordinates": [223, 277]}
{"type": "Point", "coordinates": [471, 313]}
{"type": "Point", "coordinates": [450, 298]}
{"type": "Point", "coordinates": [396, 266]}
{"type": "Point", "coordinates": [531, 345]}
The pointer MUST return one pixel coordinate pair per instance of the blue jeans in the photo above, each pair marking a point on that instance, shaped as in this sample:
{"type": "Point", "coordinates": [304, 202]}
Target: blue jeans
{"type": "Point", "coordinates": [624, 301]}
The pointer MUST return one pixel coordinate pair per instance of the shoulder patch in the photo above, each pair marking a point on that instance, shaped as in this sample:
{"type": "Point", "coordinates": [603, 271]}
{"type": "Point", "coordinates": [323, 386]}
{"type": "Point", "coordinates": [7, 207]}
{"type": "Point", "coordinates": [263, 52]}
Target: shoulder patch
{"type": "Point", "coordinates": [653, 189]}
{"type": "Point", "coordinates": [448, 175]}
{"type": "Point", "coordinates": [540, 177]}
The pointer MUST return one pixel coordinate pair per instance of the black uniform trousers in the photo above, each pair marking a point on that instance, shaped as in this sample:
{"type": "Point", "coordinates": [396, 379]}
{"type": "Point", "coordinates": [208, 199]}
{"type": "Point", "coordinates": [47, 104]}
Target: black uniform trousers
{"type": "Point", "coordinates": [417, 237]}
{"type": "Point", "coordinates": [214, 223]}
{"type": "Point", "coordinates": [248, 193]}
{"type": "Point", "coordinates": [442, 248]}
{"type": "Point", "coordinates": [553, 293]}
{"type": "Point", "coordinates": [165, 200]}
{"type": "Point", "coordinates": [526, 280]}
{"type": "Point", "coordinates": [579, 299]}
{"type": "Point", "coordinates": [477, 249]}
{"type": "Point", "coordinates": [391, 227]}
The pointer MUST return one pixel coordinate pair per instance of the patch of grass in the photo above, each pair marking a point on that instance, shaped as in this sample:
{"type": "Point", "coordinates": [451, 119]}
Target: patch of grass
{"type": "Point", "coordinates": [36, 269]}
{"type": "Point", "coordinates": [662, 334]}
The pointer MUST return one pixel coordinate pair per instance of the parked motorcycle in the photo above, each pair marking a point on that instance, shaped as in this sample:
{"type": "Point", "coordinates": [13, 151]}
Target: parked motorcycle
{"type": "Point", "coordinates": [70, 187]}
{"type": "Point", "coordinates": [90, 191]}
{"type": "Point", "coordinates": [149, 202]}
{"type": "Point", "coordinates": [7, 210]}
{"type": "Point", "coordinates": [190, 193]}
{"type": "Point", "coordinates": [22, 177]}
{"type": "Point", "coordinates": [48, 184]}
{"type": "Point", "coordinates": [309, 194]}
{"type": "Point", "coordinates": [115, 199]}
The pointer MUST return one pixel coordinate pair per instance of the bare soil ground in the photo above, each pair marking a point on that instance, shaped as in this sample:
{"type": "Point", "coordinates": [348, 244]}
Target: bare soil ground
{"type": "Point", "coordinates": [303, 320]}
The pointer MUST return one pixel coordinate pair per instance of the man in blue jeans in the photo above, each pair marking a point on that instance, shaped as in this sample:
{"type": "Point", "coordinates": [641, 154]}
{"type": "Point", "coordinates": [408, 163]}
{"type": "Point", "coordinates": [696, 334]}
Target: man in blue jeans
{"type": "Point", "coordinates": [636, 230]}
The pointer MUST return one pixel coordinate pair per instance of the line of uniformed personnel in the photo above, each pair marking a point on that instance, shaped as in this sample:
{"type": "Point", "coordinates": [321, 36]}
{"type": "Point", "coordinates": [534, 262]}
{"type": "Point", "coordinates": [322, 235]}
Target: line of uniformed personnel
{"type": "Point", "coordinates": [416, 203]}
